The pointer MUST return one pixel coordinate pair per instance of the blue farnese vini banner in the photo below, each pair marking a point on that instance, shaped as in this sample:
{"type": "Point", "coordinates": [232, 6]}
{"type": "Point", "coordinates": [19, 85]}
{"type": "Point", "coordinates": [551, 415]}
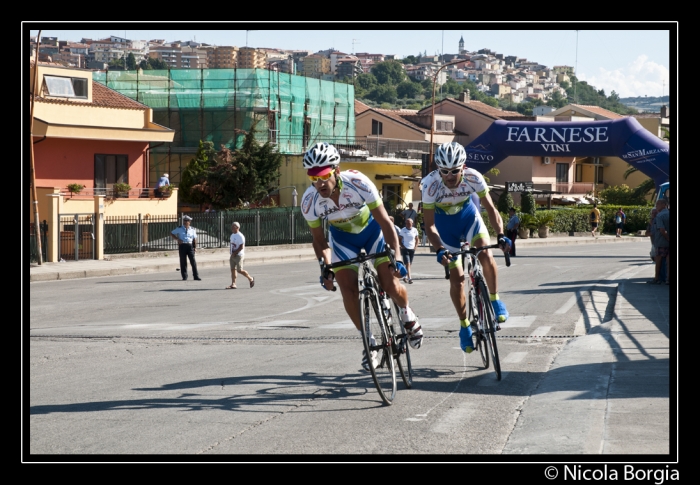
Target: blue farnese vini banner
{"type": "Point", "coordinates": [624, 138]}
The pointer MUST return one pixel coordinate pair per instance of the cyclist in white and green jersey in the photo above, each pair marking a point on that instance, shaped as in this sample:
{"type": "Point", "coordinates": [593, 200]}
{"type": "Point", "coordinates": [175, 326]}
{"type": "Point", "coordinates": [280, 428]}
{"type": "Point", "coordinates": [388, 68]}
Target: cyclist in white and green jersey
{"type": "Point", "coordinates": [357, 220]}
{"type": "Point", "coordinates": [451, 217]}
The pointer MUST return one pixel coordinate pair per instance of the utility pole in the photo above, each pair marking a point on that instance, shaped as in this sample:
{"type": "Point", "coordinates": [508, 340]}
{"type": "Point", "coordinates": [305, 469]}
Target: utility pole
{"type": "Point", "coordinates": [354, 41]}
{"type": "Point", "coordinates": [35, 202]}
{"type": "Point", "coordinates": [576, 69]}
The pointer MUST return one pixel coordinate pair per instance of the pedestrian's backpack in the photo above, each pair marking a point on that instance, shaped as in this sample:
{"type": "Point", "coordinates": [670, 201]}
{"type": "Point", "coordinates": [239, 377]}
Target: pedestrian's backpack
{"type": "Point", "coordinates": [592, 215]}
{"type": "Point", "coordinates": [618, 219]}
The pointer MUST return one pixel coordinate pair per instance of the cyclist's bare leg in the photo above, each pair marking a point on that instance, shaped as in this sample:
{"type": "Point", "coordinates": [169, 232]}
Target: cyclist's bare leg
{"type": "Point", "coordinates": [347, 281]}
{"type": "Point", "coordinates": [391, 285]}
{"type": "Point", "coordinates": [488, 265]}
{"type": "Point", "coordinates": [459, 300]}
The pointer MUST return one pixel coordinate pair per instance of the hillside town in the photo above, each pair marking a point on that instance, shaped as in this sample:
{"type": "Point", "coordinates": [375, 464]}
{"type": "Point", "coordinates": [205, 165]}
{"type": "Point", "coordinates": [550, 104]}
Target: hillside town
{"type": "Point", "coordinates": [509, 78]}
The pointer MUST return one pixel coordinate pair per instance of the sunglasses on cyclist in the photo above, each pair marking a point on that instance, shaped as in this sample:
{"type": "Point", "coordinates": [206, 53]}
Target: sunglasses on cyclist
{"type": "Point", "coordinates": [447, 171]}
{"type": "Point", "coordinates": [315, 178]}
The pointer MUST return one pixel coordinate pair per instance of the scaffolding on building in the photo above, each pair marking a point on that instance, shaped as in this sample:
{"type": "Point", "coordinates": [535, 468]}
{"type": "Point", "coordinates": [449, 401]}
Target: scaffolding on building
{"type": "Point", "coordinates": [221, 105]}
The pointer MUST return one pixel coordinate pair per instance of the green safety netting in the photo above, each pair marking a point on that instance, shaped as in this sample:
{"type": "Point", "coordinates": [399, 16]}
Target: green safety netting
{"type": "Point", "coordinates": [213, 104]}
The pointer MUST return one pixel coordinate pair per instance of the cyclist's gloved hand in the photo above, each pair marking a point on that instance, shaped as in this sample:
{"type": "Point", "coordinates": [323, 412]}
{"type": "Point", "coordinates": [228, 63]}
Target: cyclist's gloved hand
{"type": "Point", "coordinates": [327, 274]}
{"type": "Point", "coordinates": [504, 242]}
{"type": "Point", "coordinates": [444, 252]}
{"type": "Point", "coordinates": [401, 268]}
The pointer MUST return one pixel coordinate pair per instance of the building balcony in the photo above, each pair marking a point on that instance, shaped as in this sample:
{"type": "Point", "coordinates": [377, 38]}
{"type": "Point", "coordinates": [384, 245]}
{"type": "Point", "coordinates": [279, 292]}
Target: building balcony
{"type": "Point", "coordinates": [354, 148]}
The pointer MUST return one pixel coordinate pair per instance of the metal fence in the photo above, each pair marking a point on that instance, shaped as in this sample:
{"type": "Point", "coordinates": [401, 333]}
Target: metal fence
{"type": "Point", "coordinates": [33, 250]}
{"type": "Point", "coordinates": [76, 238]}
{"type": "Point", "coordinates": [128, 234]}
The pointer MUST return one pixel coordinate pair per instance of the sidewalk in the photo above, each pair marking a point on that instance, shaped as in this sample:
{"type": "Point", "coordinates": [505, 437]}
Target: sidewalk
{"type": "Point", "coordinates": [132, 263]}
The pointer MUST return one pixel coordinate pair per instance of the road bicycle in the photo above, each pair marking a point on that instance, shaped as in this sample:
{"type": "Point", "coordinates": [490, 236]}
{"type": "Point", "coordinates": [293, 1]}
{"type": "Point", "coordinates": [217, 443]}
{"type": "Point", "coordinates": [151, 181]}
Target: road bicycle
{"type": "Point", "coordinates": [479, 308]}
{"type": "Point", "coordinates": [380, 322]}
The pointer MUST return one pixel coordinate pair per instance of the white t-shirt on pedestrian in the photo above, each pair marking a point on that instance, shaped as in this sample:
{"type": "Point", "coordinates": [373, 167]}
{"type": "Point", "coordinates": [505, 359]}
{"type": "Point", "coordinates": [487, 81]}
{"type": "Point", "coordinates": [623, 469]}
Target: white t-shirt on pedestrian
{"type": "Point", "coordinates": [237, 240]}
{"type": "Point", "coordinates": [408, 237]}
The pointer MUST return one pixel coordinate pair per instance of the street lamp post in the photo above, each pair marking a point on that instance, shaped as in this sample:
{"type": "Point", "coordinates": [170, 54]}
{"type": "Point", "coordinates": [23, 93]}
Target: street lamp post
{"type": "Point", "coordinates": [294, 193]}
{"type": "Point", "coordinates": [432, 116]}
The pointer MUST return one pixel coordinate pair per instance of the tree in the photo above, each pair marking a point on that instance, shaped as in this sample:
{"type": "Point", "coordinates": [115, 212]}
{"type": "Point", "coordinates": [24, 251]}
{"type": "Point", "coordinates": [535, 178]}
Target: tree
{"type": "Point", "coordinates": [409, 89]}
{"type": "Point", "coordinates": [389, 72]}
{"type": "Point", "coordinates": [131, 62]}
{"type": "Point", "coordinates": [383, 93]}
{"type": "Point", "coordinates": [116, 64]}
{"type": "Point", "coordinates": [366, 81]}
{"type": "Point", "coordinates": [410, 60]}
{"type": "Point", "coordinates": [195, 174]}
{"type": "Point", "coordinates": [620, 195]}
{"type": "Point", "coordinates": [229, 179]}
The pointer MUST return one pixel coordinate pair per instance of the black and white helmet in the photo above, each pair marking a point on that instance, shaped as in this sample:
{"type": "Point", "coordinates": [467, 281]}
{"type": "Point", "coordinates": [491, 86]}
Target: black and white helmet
{"type": "Point", "coordinates": [321, 155]}
{"type": "Point", "coordinates": [450, 155]}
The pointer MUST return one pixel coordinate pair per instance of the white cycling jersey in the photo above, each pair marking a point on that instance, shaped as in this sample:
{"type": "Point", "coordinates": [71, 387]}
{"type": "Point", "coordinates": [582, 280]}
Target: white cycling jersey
{"type": "Point", "coordinates": [435, 195]}
{"type": "Point", "coordinates": [358, 195]}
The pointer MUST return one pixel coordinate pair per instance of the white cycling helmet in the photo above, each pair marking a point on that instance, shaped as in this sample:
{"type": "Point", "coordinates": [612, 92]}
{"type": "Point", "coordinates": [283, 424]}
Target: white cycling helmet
{"type": "Point", "coordinates": [450, 155]}
{"type": "Point", "coordinates": [321, 155]}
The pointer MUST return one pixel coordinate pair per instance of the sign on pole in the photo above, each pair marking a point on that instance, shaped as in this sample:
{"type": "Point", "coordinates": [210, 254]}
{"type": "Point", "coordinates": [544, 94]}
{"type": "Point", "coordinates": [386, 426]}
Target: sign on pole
{"type": "Point", "coordinates": [519, 186]}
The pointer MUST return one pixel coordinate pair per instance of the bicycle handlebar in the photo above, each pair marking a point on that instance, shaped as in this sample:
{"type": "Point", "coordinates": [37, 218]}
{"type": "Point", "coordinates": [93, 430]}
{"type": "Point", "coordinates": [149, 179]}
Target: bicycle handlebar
{"type": "Point", "coordinates": [359, 259]}
{"type": "Point", "coordinates": [475, 251]}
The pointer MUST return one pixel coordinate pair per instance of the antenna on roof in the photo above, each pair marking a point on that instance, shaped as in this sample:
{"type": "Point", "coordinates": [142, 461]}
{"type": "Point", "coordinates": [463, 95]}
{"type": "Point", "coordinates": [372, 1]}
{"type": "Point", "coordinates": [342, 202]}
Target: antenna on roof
{"type": "Point", "coordinates": [354, 41]}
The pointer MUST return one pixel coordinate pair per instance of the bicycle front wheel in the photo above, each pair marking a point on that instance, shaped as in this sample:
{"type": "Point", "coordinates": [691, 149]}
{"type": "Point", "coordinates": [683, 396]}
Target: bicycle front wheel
{"type": "Point", "coordinates": [400, 346]}
{"type": "Point", "coordinates": [487, 319]}
{"type": "Point", "coordinates": [378, 346]}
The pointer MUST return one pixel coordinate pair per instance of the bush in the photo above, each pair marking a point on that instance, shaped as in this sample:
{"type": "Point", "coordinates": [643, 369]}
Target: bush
{"type": "Point", "coordinates": [527, 203]}
{"type": "Point", "coordinates": [621, 195]}
{"type": "Point", "coordinates": [505, 202]}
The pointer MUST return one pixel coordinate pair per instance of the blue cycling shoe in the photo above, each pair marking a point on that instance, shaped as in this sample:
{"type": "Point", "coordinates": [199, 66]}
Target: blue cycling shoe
{"type": "Point", "coordinates": [499, 308]}
{"type": "Point", "coordinates": [465, 339]}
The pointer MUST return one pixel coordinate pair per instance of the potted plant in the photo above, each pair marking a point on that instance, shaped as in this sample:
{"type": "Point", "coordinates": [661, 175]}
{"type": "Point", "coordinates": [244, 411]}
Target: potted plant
{"type": "Point", "coordinates": [165, 191]}
{"type": "Point", "coordinates": [75, 189]}
{"type": "Point", "coordinates": [528, 223]}
{"type": "Point", "coordinates": [121, 190]}
{"type": "Point", "coordinates": [544, 221]}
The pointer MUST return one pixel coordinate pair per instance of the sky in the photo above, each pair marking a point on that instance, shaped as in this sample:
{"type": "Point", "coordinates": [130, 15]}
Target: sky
{"type": "Point", "coordinates": [632, 59]}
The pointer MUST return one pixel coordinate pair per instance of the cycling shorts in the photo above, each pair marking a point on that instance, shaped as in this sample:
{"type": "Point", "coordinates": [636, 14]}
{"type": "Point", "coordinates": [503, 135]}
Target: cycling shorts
{"type": "Point", "coordinates": [346, 245]}
{"type": "Point", "coordinates": [467, 225]}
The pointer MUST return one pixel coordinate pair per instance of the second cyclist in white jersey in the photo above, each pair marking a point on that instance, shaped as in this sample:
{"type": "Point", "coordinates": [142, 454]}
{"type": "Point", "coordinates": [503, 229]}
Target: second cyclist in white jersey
{"type": "Point", "coordinates": [451, 217]}
{"type": "Point", "coordinates": [357, 220]}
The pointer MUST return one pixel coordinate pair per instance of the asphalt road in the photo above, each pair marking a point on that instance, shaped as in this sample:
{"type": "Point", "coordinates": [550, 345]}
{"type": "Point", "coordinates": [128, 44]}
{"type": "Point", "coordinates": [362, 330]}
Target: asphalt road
{"type": "Point", "coordinates": [191, 368]}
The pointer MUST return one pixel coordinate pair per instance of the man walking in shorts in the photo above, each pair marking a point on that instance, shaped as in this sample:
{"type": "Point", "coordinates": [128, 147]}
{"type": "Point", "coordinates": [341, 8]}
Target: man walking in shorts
{"type": "Point", "coordinates": [236, 249]}
{"type": "Point", "coordinates": [408, 238]}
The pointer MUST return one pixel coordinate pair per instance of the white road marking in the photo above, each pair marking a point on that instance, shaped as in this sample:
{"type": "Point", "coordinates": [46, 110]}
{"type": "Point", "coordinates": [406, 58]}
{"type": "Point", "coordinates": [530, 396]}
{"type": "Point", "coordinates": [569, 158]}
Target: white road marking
{"type": "Point", "coordinates": [437, 322]}
{"type": "Point", "coordinates": [540, 332]}
{"type": "Point", "coordinates": [514, 357]}
{"type": "Point", "coordinates": [521, 321]}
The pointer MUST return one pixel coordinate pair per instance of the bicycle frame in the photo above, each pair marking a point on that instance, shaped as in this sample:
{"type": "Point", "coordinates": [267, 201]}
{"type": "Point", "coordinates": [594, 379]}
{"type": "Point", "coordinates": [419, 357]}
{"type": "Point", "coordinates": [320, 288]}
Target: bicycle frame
{"type": "Point", "coordinates": [479, 309]}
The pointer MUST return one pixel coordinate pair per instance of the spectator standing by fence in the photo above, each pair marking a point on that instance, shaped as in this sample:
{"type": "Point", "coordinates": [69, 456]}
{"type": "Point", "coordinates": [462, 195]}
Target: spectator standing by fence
{"type": "Point", "coordinates": [186, 237]}
{"type": "Point", "coordinates": [408, 239]}
{"type": "Point", "coordinates": [512, 229]}
{"type": "Point", "coordinates": [620, 219]}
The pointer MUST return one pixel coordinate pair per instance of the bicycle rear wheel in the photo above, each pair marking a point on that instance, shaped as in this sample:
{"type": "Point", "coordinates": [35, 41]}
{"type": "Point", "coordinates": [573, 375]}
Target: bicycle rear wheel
{"type": "Point", "coordinates": [487, 319]}
{"type": "Point", "coordinates": [376, 342]}
{"type": "Point", "coordinates": [401, 348]}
